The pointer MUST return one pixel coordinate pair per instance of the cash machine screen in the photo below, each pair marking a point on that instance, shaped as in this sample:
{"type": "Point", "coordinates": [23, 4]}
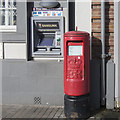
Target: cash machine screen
{"type": "Point", "coordinates": [47, 25]}
{"type": "Point", "coordinates": [46, 39]}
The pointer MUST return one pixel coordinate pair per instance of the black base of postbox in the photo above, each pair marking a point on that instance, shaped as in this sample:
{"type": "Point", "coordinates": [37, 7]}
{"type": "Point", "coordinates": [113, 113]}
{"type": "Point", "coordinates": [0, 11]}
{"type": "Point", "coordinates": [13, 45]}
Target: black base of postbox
{"type": "Point", "coordinates": [77, 106]}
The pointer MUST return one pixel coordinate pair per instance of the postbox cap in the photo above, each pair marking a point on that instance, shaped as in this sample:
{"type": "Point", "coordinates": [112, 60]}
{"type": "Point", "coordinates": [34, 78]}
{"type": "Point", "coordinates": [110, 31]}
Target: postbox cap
{"type": "Point", "coordinates": [76, 33]}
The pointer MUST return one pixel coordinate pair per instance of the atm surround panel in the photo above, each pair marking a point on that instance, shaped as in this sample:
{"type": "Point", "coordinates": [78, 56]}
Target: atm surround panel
{"type": "Point", "coordinates": [47, 36]}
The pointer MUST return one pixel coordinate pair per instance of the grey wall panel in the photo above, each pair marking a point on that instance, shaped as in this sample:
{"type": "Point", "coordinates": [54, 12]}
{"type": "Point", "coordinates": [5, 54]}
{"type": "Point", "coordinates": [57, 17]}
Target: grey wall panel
{"type": "Point", "coordinates": [22, 81]}
{"type": "Point", "coordinates": [20, 35]}
{"type": "Point", "coordinates": [110, 85]}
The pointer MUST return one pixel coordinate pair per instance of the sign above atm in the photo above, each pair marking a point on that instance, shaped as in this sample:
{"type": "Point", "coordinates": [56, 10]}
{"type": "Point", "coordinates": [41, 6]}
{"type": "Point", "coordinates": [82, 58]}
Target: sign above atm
{"type": "Point", "coordinates": [47, 25]}
{"type": "Point", "coordinates": [47, 12]}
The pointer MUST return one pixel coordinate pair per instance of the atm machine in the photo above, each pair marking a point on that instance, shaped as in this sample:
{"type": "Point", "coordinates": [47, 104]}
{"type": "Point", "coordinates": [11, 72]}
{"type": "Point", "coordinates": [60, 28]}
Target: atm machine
{"type": "Point", "coordinates": [47, 29]}
{"type": "Point", "coordinates": [47, 36]}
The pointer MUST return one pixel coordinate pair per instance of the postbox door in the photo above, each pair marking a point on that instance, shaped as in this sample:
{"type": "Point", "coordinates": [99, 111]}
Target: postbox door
{"type": "Point", "coordinates": [75, 80]}
{"type": "Point", "coordinates": [75, 61]}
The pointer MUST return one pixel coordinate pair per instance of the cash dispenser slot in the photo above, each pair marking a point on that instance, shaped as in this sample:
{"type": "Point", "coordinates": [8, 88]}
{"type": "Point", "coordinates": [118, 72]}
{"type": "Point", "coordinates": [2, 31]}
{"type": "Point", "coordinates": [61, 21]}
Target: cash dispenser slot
{"type": "Point", "coordinates": [41, 49]}
{"type": "Point", "coordinates": [55, 49]}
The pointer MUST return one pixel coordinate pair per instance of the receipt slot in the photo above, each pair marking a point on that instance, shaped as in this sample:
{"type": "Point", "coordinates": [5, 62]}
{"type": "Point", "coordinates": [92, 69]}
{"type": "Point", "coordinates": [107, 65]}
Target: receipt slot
{"type": "Point", "coordinates": [76, 74]}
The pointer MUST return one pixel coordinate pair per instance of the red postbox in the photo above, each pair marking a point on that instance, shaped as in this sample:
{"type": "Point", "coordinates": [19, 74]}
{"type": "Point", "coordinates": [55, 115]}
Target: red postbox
{"type": "Point", "coordinates": [76, 63]}
{"type": "Point", "coordinates": [76, 71]}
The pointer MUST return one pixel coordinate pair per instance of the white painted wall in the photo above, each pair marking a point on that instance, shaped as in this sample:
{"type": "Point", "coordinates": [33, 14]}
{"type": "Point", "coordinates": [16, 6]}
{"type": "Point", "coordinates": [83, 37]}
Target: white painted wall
{"type": "Point", "coordinates": [14, 50]}
{"type": "Point", "coordinates": [83, 15]}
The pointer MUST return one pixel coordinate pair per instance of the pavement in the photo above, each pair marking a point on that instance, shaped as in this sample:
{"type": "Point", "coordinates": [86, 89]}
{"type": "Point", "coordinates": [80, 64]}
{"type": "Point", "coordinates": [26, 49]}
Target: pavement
{"type": "Point", "coordinates": [14, 112]}
{"type": "Point", "coordinates": [105, 114]}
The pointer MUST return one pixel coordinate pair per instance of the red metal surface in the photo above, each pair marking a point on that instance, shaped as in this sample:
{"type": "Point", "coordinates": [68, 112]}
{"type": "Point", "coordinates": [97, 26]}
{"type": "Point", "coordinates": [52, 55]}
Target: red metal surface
{"type": "Point", "coordinates": [77, 67]}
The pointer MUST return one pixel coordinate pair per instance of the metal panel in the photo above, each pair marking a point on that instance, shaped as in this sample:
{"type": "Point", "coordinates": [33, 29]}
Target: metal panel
{"type": "Point", "coordinates": [110, 83]}
{"type": "Point", "coordinates": [95, 84]}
